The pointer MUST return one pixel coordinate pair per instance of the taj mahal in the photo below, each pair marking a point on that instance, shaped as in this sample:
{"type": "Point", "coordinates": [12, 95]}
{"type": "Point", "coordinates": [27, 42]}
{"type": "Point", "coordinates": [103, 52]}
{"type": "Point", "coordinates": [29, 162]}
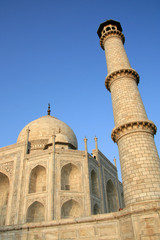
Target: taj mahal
{"type": "Point", "coordinates": [49, 189]}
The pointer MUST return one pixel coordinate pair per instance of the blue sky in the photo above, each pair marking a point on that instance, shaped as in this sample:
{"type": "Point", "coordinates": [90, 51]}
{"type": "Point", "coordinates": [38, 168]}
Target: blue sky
{"type": "Point", "coordinates": [50, 52]}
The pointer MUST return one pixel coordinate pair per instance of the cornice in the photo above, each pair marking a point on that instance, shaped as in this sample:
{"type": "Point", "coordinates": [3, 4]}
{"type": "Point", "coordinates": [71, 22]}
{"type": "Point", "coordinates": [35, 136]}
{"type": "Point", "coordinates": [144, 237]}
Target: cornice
{"type": "Point", "coordinates": [119, 74]}
{"type": "Point", "coordinates": [132, 127]}
{"type": "Point", "coordinates": [111, 33]}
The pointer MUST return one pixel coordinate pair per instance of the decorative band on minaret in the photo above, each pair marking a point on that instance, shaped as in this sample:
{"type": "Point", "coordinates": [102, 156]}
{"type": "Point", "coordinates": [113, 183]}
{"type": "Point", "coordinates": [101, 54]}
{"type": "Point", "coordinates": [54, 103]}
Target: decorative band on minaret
{"type": "Point", "coordinates": [133, 132]}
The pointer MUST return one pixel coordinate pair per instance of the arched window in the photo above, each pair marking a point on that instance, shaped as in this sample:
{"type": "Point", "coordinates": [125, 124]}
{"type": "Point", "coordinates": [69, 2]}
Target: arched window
{"type": "Point", "coordinates": [70, 209]}
{"type": "Point", "coordinates": [112, 197]}
{"type": "Point", "coordinates": [36, 212]}
{"type": "Point", "coordinates": [4, 193]}
{"type": "Point", "coordinates": [96, 209]}
{"type": "Point", "coordinates": [70, 178]}
{"type": "Point", "coordinates": [108, 28]}
{"type": "Point", "coordinates": [94, 183]}
{"type": "Point", "coordinates": [37, 182]}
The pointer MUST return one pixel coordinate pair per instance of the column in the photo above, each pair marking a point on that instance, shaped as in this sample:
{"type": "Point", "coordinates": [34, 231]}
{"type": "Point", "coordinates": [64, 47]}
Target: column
{"type": "Point", "coordinates": [133, 132]}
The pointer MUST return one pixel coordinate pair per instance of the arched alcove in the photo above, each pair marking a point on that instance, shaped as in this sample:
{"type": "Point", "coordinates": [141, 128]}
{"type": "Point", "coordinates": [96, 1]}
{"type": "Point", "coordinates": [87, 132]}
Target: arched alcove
{"type": "Point", "coordinates": [4, 193]}
{"type": "Point", "coordinates": [112, 197]}
{"type": "Point", "coordinates": [96, 209]}
{"type": "Point", "coordinates": [36, 212]}
{"type": "Point", "coordinates": [70, 209]}
{"type": "Point", "coordinates": [70, 178]}
{"type": "Point", "coordinates": [94, 183]}
{"type": "Point", "coordinates": [37, 180]}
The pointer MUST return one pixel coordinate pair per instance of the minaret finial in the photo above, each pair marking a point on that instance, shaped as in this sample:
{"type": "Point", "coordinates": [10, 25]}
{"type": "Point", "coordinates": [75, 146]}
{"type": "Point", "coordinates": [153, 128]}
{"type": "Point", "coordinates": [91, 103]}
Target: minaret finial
{"type": "Point", "coordinates": [115, 162]}
{"type": "Point", "coordinates": [95, 139]}
{"type": "Point", "coordinates": [49, 111]}
{"type": "Point", "coordinates": [85, 142]}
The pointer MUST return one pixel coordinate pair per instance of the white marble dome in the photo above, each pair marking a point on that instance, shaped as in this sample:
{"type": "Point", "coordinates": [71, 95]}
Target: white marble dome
{"type": "Point", "coordinates": [47, 126]}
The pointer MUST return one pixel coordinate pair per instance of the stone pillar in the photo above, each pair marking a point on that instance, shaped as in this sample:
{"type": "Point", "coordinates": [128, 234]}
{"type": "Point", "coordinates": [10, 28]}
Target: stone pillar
{"type": "Point", "coordinates": [27, 141]}
{"type": "Point", "coordinates": [87, 198]}
{"type": "Point", "coordinates": [100, 173]}
{"type": "Point", "coordinates": [115, 162]}
{"type": "Point", "coordinates": [51, 183]}
{"type": "Point", "coordinates": [133, 132]}
{"type": "Point", "coordinates": [85, 143]}
{"type": "Point", "coordinates": [96, 144]}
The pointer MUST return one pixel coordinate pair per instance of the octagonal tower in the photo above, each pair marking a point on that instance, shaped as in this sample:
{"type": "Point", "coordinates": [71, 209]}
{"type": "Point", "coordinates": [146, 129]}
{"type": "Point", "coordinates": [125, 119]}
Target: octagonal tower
{"type": "Point", "coordinates": [133, 132]}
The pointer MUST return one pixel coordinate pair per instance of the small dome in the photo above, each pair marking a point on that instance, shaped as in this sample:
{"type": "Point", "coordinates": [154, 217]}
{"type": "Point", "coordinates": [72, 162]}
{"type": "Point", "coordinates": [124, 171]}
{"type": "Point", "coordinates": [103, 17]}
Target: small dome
{"type": "Point", "coordinates": [46, 126]}
{"type": "Point", "coordinates": [61, 138]}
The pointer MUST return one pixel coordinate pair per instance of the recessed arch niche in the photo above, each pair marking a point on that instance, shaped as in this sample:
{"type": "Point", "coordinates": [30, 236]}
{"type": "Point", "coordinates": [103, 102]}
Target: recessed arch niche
{"type": "Point", "coordinates": [36, 212]}
{"type": "Point", "coordinates": [71, 209]}
{"type": "Point", "coordinates": [4, 194]}
{"type": "Point", "coordinates": [112, 197]}
{"type": "Point", "coordinates": [37, 180]}
{"type": "Point", "coordinates": [96, 209]}
{"type": "Point", "coordinates": [70, 178]}
{"type": "Point", "coordinates": [94, 183]}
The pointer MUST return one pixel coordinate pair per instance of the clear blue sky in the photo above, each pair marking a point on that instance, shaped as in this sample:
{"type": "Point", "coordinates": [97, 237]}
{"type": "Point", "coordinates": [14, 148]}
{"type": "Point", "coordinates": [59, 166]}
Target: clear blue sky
{"type": "Point", "coordinates": [50, 52]}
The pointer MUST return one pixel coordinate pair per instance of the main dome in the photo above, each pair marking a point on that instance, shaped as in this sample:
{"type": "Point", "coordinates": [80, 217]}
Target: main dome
{"type": "Point", "coordinates": [47, 126]}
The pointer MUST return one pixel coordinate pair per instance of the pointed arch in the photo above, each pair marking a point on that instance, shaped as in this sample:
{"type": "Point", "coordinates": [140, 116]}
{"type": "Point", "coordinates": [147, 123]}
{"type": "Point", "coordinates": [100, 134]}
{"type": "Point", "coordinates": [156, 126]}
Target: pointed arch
{"type": "Point", "coordinates": [37, 180]}
{"type": "Point", "coordinates": [112, 197]}
{"type": "Point", "coordinates": [94, 183]}
{"type": "Point", "coordinates": [96, 209]}
{"type": "Point", "coordinates": [71, 209]}
{"type": "Point", "coordinates": [36, 212]}
{"type": "Point", "coordinates": [4, 194]}
{"type": "Point", "coordinates": [70, 178]}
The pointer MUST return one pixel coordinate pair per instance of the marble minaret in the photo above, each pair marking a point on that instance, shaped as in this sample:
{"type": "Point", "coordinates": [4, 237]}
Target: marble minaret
{"type": "Point", "coordinates": [133, 132]}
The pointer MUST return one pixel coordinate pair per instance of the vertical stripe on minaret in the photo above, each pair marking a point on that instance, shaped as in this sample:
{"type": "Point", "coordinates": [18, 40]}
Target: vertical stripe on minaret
{"type": "Point", "coordinates": [133, 132]}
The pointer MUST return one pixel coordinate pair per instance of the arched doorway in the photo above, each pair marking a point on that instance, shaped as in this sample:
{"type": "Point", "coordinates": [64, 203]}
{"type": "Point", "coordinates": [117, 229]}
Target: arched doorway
{"type": "Point", "coordinates": [96, 209]}
{"type": "Point", "coordinates": [70, 209]}
{"type": "Point", "coordinates": [4, 194]}
{"type": "Point", "coordinates": [36, 212]}
{"type": "Point", "coordinates": [112, 197]}
{"type": "Point", "coordinates": [94, 183]}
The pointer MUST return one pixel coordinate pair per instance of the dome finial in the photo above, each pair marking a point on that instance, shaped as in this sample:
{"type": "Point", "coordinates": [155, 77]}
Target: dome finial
{"type": "Point", "coordinates": [49, 111]}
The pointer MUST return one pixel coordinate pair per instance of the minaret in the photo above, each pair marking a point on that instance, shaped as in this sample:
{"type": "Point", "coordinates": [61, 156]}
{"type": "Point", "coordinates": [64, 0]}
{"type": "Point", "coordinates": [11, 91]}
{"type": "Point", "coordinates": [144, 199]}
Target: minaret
{"type": "Point", "coordinates": [133, 132]}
